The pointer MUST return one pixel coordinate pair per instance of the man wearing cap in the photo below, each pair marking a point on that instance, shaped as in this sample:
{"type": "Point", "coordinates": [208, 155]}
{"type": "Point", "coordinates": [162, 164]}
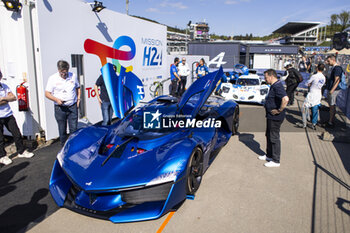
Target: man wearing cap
{"type": "Point", "coordinates": [292, 79]}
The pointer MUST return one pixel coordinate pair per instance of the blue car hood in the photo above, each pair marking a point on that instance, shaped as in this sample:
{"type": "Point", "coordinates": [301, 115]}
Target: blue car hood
{"type": "Point", "coordinates": [125, 90]}
{"type": "Point", "coordinates": [84, 167]}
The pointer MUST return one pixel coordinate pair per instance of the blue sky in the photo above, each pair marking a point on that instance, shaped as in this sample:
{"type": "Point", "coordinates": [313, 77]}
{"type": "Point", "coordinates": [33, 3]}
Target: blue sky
{"type": "Point", "coordinates": [232, 17]}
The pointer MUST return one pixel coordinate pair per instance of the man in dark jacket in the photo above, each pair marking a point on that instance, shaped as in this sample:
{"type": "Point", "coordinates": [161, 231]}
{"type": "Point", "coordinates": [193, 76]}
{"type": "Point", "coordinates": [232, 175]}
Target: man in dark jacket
{"type": "Point", "coordinates": [293, 78]}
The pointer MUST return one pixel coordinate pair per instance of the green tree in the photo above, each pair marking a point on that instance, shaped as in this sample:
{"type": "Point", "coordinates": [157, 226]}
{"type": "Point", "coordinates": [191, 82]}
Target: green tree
{"type": "Point", "coordinates": [344, 18]}
{"type": "Point", "coordinates": [334, 19]}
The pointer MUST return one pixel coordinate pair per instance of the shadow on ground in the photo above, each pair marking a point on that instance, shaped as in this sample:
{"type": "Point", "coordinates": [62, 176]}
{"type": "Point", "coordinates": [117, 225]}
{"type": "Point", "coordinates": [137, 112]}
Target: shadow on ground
{"type": "Point", "coordinates": [248, 140]}
{"type": "Point", "coordinates": [24, 190]}
{"type": "Point", "coordinates": [18, 217]}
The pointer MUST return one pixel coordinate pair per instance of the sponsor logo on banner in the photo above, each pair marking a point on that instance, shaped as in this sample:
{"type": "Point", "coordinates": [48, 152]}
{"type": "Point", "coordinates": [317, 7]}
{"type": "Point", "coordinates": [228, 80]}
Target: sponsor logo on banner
{"type": "Point", "coordinates": [152, 52]}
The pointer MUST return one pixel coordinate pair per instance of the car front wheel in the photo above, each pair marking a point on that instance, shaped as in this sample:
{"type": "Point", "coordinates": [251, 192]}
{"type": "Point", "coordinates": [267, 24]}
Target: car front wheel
{"type": "Point", "coordinates": [194, 171]}
{"type": "Point", "coordinates": [235, 123]}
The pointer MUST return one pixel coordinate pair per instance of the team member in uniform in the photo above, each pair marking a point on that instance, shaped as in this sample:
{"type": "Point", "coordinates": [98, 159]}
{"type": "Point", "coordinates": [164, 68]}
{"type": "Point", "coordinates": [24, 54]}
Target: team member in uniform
{"type": "Point", "coordinates": [63, 89]}
{"type": "Point", "coordinates": [175, 78]}
{"type": "Point", "coordinates": [202, 69]}
{"type": "Point", "coordinates": [275, 104]}
{"type": "Point", "coordinates": [7, 119]}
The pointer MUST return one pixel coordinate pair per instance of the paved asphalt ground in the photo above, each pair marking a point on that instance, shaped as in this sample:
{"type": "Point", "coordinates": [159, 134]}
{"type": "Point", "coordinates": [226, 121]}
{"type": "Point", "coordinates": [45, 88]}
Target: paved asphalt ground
{"type": "Point", "coordinates": [308, 193]}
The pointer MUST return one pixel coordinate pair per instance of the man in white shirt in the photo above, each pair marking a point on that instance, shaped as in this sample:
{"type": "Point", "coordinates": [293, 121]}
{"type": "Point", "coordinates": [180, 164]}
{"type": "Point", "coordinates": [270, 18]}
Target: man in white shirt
{"type": "Point", "coordinates": [63, 89]}
{"type": "Point", "coordinates": [7, 119]}
{"type": "Point", "coordinates": [313, 98]}
{"type": "Point", "coordinates": [184, 71]}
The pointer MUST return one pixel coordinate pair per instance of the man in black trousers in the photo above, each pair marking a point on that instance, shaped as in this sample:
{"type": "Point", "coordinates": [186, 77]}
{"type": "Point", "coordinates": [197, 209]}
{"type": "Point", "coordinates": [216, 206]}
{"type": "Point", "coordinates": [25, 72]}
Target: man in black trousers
{"type": "Point", "coordinates": [8, 120]}
{"type": "Point", "coordinates": [275, 104]}
{"type": "Point", "coordinates": [292, 81]}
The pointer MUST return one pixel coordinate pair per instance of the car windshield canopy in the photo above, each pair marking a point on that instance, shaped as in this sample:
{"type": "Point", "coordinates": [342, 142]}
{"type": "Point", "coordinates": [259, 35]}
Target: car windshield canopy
{"type": "Point", "coordinates": [140, 124]}
{"type": "Point", "coordinates": [248, 82]}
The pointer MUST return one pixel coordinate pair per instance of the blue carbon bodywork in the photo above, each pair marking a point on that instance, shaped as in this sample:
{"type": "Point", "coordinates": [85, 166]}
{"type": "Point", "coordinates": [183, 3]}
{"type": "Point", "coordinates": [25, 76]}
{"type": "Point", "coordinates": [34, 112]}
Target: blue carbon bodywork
{"type": "Point", "coordinates": [125, 90]}
{"type": "Point", "coordinates": [147, 178]}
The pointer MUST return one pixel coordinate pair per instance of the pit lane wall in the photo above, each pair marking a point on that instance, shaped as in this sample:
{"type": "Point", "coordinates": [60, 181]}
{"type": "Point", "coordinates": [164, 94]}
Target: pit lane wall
{"type": "Point", "coordinates": [59, 29]}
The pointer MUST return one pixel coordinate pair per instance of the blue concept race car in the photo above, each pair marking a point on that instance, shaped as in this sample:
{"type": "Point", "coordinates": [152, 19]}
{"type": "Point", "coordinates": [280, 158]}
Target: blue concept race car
{"type": "Point", "coordinates": [148, 162]}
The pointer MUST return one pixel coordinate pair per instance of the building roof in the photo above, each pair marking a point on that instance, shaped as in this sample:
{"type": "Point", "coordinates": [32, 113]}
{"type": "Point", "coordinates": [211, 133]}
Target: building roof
{"type": "Point", "coordinates": [295, 27]}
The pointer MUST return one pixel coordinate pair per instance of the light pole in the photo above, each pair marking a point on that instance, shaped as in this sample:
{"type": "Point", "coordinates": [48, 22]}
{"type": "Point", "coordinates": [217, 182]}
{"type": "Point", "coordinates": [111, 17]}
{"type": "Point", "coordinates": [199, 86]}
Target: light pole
{"type": "Point", "coordinates": [127, 7]}
{"type": "Point", "coordinates": [188, 25]}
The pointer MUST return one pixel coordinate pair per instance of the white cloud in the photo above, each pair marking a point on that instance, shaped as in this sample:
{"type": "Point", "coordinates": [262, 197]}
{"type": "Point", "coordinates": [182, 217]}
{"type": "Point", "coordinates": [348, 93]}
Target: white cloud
{"type": "Point", "coordinates": [230, 2]}
{"type": "Point", "coordinates": [152, 10]}
{"type": "Point", "coordinates": [178, 5]}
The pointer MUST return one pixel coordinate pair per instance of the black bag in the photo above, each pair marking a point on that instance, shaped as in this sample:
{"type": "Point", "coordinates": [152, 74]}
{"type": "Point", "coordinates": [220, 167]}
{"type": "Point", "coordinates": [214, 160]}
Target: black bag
{"type": "Point", "coordinates": [298, 77]}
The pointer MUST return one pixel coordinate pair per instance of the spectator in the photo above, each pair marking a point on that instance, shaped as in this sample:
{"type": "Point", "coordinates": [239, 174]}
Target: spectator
{"type": "Point", "coordinates": [292, 80]}
{"type": "Point", "coordinates": [202, 69]}
{"type": "Point", "coordinates": [313, 98]}
{"type": "Point", "coordinates": [103, 100]}
{"type": "Point", "coordinates": [7, 119]}
{"type": "Point", "coordinates": [275, 104]}
{"type": "Point", "coordinates": [63, 89]}
{"type": "Point", "coordinates": [333, 88]}
{"type": "Point", "coordinates": [184, 71]}
{"type": "Point", "coordinates": [304, 65]}
{"type": "Point", "coordinates": [174, 76]}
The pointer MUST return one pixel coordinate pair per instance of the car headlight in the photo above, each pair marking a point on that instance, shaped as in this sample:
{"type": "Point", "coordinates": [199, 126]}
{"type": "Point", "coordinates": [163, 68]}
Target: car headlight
{"type": "Point", "coordinates": [60, 157]}
{"type": "Point", "coordinates": [264, 91]}
{"type": "Point", "coordinates": [164, 178]}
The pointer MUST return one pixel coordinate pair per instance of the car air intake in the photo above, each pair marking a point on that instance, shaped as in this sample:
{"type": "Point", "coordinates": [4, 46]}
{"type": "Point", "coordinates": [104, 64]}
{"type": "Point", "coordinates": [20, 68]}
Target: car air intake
{"type": "Point", "coordinates": [225, 89]}
{"type": "Point", "coordinates": [264, 91]}
{"type": "Point", "coordinates": [147, 194]}
{"type": "Point", "coordinates": [251, 97]}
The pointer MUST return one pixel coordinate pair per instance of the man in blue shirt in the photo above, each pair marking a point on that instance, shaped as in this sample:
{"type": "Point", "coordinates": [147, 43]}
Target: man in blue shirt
{"type": "Point", "coordinates": [202, 69]}
{"type": "Point", "coordinates": [275, 104]}
{"type": "Point", "coordinates": [175, 78]}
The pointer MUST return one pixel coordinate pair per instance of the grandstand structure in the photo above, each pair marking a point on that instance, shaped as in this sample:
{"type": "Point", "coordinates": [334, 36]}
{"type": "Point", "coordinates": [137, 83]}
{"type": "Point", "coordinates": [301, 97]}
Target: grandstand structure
{"type": "Point", "coordinates": [199, 31]}
{"type": "Point", "coordinates": [302, 33]}
{"type": "Point", "coordinates": [177, 42]}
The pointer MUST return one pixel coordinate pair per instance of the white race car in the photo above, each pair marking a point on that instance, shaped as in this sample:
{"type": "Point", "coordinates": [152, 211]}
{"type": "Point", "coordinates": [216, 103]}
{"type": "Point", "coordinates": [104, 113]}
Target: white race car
{"type": "Point", "coordinates": [247, 88]}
